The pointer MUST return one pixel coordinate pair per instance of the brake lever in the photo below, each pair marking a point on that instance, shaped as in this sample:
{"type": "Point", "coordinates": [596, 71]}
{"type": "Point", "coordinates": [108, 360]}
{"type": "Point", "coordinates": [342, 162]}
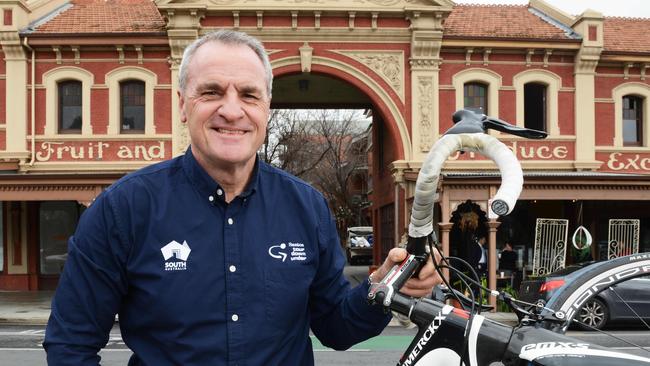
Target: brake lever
{"type": "Point", "coordinates": [383, 291]}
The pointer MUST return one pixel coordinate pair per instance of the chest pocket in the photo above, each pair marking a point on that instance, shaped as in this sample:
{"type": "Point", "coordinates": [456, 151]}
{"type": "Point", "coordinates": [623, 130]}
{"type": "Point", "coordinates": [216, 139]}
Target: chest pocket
{"type": "Point", "coordinates": [287, 294]}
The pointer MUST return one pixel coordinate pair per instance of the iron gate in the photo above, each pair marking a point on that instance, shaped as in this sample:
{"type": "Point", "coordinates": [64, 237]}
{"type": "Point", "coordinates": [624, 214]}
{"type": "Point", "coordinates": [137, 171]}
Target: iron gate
{"type": "Point", "coordinates": [550, 245]}
{"type": "Point", "coordinates": [623, 237]}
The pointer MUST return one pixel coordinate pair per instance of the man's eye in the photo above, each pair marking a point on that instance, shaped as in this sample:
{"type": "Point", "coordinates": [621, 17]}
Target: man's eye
{"type": "Point", "coordinates": [251, 96]}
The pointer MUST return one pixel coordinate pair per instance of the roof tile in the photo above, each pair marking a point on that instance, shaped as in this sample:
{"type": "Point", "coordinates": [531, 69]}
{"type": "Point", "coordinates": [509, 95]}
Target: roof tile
{"type": "Point", "coordinates": [499, 21]}
{"type": "Point", "coordinates": [627, 35]}
{"type": "Point", "coordinates": [106, 16]}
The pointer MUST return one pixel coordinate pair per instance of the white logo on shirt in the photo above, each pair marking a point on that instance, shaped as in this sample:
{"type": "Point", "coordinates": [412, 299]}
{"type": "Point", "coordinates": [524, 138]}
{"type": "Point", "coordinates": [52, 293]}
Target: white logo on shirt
{"type": "Point", "coordinates": [295, 251]}
{"type": "Point", "coordinates": [176, 255]}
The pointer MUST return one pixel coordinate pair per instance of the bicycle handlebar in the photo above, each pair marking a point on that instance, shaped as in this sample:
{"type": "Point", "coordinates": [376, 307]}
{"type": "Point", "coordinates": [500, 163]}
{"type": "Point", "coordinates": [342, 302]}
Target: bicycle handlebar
{"type": "Point", "coordinates": [427, 183]}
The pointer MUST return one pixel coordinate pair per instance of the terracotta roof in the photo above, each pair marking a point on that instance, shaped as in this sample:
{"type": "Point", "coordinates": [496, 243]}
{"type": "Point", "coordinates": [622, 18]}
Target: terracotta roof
{"type": "Point", "coordinates": [104, 16]}
{"type": "Point", "coordinates": [500, 21]}
{"type": "Point", "coordinates": [626, 35]}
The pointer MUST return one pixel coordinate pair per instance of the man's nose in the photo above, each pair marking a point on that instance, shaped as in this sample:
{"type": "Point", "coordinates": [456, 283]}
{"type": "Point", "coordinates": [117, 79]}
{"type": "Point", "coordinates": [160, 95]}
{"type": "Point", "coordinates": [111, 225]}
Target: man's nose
{"type": "Point", "coordinates": [231, 109]}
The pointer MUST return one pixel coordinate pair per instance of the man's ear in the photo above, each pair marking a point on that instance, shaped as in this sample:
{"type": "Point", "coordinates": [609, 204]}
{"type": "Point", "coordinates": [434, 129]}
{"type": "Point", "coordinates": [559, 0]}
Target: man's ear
{"type": "Point", "coordinates": [181, 105]}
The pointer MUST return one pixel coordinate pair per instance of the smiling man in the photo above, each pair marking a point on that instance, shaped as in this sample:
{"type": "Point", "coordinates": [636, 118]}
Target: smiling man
{"type": "Point", "coordinates": [214, 257]}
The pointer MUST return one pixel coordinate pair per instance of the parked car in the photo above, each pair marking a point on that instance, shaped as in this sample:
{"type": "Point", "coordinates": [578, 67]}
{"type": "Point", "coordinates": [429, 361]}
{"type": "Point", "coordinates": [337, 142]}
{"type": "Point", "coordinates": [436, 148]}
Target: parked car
{"type": "Point", "coordinates": [359, 245]}
{"type": "Point", "coordinates": [608, 307]}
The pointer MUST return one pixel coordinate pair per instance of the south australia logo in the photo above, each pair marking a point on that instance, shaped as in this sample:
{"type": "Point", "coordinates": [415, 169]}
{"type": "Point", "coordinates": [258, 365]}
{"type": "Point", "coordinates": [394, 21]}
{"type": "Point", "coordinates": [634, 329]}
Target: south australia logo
{"type": "Point", "coordinates": [176, 255]}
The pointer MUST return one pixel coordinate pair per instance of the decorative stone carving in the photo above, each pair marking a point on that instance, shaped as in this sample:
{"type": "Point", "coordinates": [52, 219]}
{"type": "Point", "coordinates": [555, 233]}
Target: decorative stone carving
{"type": "Point", "coordinates": [425, 103]}
{"type": "Point", "coordinates": [389, 65]}
{"type": "Point", "coordinates": [183, 139]}
{"type": "Point", "coordinates": [305, 57]}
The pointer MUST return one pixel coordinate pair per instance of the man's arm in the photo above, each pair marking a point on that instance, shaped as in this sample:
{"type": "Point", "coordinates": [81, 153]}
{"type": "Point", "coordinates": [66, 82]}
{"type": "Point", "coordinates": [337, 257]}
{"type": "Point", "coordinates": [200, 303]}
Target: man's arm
{"type": "Point", "coordinates": [90, 289]}
{"type": "Point", "coordinates": [341, 317]}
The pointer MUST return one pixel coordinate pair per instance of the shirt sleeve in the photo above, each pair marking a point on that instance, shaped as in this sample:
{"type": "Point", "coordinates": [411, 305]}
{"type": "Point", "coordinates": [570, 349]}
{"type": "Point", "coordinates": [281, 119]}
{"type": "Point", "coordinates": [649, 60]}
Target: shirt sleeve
{"type": "Point", "coordinates": [340, 315]}
{"type": "Point", "coordinates": [90, 289]}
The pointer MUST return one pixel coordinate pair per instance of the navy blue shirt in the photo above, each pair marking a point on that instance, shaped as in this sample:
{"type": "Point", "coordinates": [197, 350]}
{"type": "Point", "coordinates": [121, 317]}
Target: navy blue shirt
{"type": "Point", "coordinates": [198, 281]}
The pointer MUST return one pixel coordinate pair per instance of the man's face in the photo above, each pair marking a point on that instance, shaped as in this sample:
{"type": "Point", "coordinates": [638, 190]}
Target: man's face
{"type": "Point", "coordinates": [225, 105]}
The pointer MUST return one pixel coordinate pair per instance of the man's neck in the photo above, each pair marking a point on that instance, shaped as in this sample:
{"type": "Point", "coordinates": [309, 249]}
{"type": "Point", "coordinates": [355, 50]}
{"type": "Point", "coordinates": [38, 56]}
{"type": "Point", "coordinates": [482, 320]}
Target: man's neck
{"type": "Point", "coordinates": [232, 178]}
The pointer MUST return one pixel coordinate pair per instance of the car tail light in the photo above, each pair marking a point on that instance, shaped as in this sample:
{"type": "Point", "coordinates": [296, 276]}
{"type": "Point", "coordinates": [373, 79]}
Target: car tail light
{"type": "Point", "coordinates": [551, 285]}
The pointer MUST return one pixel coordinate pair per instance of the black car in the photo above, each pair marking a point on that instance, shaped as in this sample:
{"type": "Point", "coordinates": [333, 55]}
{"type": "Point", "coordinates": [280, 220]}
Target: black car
{"type": "Point", "coordinates": [621, 305]}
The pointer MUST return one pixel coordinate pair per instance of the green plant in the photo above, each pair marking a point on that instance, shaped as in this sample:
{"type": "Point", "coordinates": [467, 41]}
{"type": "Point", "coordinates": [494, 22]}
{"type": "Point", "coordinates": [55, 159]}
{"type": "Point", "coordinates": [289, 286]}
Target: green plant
{"type": "Point", "coordinates": [501, 306]}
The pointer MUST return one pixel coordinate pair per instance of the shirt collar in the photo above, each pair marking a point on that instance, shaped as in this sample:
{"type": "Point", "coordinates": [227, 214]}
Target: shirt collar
{"type": "Point", "coordinates": [206, 185]}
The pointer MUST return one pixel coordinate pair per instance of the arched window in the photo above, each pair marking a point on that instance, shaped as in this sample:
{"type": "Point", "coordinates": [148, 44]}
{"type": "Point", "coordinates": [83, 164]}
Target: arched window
{"type": "Point", "coordinates": [132, 106]}
{"type": "Point", "coordinates": [535, 114]}
{"type": "Point", "coordinates": [632, 120]}
{"type": "Point", "coordinates": [69, 106]}
{"type": "Point", "coordinates": [476, 97]}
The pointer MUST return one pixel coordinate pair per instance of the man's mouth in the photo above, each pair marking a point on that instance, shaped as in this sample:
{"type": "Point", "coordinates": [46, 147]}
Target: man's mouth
{"type": "Point", "coordinates": [230, 132]}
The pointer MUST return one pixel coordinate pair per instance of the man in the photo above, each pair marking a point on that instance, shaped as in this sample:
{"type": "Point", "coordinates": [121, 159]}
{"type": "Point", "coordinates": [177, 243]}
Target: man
{"type": "Point", "coordinates": [213, 258]}
{"type": "Point", "coordinates": [478, 256]}
{"type": "Point", "coordinates": [508, 259]}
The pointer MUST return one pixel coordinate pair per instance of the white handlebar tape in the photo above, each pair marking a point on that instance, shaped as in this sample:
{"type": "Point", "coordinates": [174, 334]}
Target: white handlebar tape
{"type": "Point", "coordinates": [425, 195]}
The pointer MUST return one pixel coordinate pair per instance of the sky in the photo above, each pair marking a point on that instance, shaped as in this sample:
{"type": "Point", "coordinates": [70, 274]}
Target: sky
{"type": "Point", "coordinates": [623, 8]}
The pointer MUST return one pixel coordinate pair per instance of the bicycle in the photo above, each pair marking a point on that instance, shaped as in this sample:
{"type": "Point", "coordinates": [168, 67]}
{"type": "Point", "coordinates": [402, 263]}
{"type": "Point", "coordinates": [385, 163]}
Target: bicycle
{"type": "Point", "coordinates": [448, 335]}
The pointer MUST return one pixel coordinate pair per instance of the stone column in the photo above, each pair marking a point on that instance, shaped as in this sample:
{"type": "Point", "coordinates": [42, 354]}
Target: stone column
{"type": "Point", "coordinates": [493, 224]}
{"type": "Point", "coordinates": [590, 26]}
{"type": "Point", "coordinates": [16, 96]}
{"type": "Point", "coordinates": [426, 41]}
{"type": "Point", "coordinates": [183, 25]}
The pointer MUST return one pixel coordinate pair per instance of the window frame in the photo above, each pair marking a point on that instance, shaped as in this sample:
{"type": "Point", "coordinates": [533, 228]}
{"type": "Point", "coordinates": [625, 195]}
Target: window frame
{"type": "Point", "coordinates": [485, 76]}
{"type": "Point", "coordinates": [51, 80]}
{"type": "Point", "coordinates": [59, 98]}
{"type": "Point", "coordinates": [638, 119]}
{"type": "Point", "coordinates": [477, 86]}
{"type": "Point", "coordinates": [631, 88]}
{"type": "Point", "coordinates": [113, 80]}
{"type": "Point", "coordinates": [124, 84]}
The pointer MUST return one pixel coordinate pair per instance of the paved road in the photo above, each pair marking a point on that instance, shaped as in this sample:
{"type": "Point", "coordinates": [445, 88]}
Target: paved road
{"type": "Point", "coordinates": [21, 345]}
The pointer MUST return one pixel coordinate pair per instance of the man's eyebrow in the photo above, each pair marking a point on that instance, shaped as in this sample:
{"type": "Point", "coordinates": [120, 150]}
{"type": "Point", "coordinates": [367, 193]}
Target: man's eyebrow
{"type": "Point", "coordinates": [209, 85]}
{"type": "Point", "coordinates": [249, 89]}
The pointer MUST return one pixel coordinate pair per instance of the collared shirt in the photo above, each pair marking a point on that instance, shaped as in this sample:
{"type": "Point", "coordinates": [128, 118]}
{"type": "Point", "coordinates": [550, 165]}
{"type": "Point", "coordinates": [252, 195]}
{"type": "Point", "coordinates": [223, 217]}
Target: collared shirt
{"type": "Point", "coordinates": [198, 281]}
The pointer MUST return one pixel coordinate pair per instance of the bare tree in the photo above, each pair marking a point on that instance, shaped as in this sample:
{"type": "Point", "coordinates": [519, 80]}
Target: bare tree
{"type": "Point", "coordinates": [328, 149]}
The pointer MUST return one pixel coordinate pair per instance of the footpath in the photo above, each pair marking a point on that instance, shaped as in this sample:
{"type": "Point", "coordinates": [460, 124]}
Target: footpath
{"type": "Point", "coordinates": [33, 307]}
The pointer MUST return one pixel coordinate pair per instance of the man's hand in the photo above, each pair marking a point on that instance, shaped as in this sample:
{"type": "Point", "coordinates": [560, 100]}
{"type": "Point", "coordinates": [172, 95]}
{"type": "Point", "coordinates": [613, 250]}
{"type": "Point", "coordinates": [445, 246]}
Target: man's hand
{"type": "Point", "coordinates": [416, 287]}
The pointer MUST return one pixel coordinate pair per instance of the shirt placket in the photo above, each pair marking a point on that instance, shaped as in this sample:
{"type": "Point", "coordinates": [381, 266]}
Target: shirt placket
{"type": "Point", "coordinates": [234, 304]}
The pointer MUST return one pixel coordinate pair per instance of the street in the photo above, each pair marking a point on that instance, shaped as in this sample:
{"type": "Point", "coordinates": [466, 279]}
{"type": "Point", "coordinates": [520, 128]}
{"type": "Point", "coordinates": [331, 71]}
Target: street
{"type": "Point", "coordinates": [21, 345]}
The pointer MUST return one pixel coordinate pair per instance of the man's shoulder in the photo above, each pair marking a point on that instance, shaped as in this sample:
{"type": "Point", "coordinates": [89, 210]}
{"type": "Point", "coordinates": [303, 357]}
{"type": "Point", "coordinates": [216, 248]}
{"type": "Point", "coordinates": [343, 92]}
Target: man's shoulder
{"type": "Point", "coordinates": [151, 177]}
{"type": "Point", "coordinates": [271, 173]}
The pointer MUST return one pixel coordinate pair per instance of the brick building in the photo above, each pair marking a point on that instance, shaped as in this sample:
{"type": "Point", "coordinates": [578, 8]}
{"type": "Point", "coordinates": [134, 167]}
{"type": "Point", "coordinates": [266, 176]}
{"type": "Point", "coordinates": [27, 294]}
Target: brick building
{"type": "Point", "coordinates": [88, 93]}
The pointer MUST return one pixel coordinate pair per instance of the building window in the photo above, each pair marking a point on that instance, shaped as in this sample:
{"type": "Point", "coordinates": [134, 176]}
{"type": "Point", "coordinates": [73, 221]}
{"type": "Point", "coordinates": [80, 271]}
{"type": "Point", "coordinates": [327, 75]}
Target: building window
{"type": "Point", "coordinates": [132, 106]}
{"type": "Point", "coordinates": [476, 97]}
{"type": "Point", "coordinates": [632, 120]}
{"type": "Point", "coordinates": [69, 106]}
{"type": "Point", "coordinates": [57, 222]}
{"type": "Point", "coordinates": [535, 106]}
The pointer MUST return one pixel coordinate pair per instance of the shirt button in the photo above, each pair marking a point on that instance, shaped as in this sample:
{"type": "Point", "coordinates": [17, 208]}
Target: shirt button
{"type": "Point", "coordinates": [211, 198]}
{"type": "Point", "coordinates": [235, 317]}
{"type": "Point", "coordinates": [230, 221]}
{"type": "Point", "coordinates": [219, 192]}
{"type": "Point", "coordinates": [232, 268]}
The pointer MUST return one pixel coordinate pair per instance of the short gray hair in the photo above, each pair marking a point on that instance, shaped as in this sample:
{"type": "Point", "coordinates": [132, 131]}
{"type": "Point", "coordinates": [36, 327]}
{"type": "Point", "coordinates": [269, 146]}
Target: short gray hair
{"type": "Point", "coordinates": [228, 37]}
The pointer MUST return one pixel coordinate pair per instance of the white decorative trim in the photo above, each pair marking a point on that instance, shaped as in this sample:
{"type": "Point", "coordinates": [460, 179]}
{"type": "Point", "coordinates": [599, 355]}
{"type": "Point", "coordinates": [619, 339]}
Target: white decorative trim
{"type": "Point", "coordinates": [634, 88]}
{"type": "Point", "coordinates": [488, 77]}
{"type": "Point", "coordinates": [50, 80]}
{"type": "Point", "coordinates": [553, 83]}
{"type": "Point", "coordinates": [389, 65]}
{"type": "Point", "coordinates": [113, 79]}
